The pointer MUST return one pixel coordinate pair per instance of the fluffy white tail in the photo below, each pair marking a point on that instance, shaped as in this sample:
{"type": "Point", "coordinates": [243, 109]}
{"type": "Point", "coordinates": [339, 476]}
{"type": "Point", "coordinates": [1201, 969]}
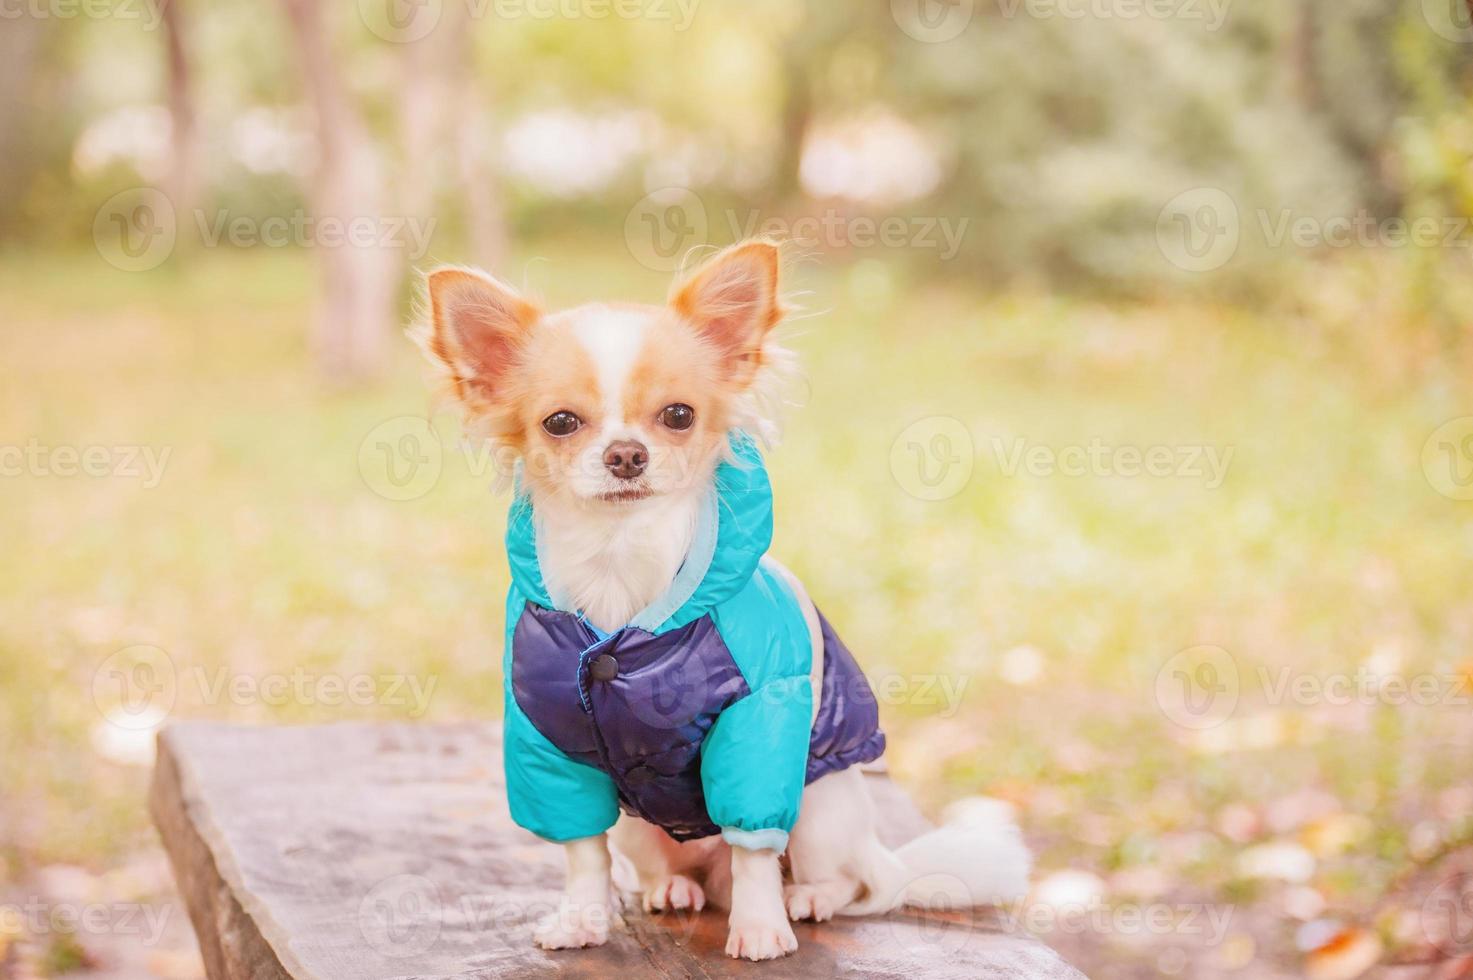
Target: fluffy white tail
{"type": "Point", "coordinates": [977, 857]}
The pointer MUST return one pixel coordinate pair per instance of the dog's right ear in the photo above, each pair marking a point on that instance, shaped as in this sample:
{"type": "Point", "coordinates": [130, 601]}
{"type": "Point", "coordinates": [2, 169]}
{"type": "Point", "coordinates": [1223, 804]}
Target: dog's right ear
{"type": "Point", "coordinates": [477, 328]}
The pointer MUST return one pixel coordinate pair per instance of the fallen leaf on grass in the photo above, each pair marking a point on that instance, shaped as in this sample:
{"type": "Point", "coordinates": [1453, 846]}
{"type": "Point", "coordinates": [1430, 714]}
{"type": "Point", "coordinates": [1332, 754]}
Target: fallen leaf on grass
{"type": "Point", "coordinates": [1338, 952]}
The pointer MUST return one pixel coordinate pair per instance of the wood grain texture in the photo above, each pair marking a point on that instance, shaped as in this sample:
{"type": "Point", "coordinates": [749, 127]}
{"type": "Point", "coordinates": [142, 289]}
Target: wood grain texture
{"type": "Point", "coordinates": [369, 852]}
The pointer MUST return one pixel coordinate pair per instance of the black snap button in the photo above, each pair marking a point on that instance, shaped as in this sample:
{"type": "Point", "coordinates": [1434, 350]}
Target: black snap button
{"type": "Point", "coordinates": [604, 668]}
{"type": "Point", "coordinates": [639, 775]}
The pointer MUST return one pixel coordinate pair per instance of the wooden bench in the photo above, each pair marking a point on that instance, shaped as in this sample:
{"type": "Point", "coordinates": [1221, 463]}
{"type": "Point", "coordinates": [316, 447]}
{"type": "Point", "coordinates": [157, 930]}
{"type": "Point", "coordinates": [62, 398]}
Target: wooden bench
{"type": "Point", "coordinates": [364, 852]}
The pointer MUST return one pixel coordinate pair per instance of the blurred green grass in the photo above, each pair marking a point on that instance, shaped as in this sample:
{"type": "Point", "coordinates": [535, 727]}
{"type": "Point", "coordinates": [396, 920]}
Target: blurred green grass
{"type": "Point", "coordinates": [1055, 600]}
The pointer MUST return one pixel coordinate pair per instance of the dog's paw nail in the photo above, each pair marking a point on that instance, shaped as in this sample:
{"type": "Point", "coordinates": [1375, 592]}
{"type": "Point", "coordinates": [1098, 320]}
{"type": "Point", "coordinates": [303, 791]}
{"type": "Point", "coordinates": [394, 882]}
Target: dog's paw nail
{"type": "Point", "coordinates": [675, 892]}
{"type": "Point", "coordinates": [807, 903]}
{"type": "Point", "coordinates": [761, 942]}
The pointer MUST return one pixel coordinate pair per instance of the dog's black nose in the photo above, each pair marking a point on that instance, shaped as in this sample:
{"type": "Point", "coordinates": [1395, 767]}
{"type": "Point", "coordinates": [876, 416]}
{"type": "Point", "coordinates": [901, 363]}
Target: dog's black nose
{"type": "Point", "coordinates": [626, 458]}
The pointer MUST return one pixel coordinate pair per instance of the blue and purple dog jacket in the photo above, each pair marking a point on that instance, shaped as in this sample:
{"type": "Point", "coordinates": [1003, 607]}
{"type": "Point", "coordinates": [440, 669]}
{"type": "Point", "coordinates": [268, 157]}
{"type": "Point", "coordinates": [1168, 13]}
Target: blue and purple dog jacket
{"type": "Point", "coordinates": [698, 714]}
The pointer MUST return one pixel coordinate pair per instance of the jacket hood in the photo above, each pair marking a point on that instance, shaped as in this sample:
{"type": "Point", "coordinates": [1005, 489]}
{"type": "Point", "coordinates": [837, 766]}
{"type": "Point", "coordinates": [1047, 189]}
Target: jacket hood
{"type": "Point", "coordinates": [733, 532]}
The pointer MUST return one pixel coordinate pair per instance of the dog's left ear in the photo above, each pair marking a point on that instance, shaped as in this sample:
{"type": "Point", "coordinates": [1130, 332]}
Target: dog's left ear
{"type": "Point", "coordinates": [732, 301]}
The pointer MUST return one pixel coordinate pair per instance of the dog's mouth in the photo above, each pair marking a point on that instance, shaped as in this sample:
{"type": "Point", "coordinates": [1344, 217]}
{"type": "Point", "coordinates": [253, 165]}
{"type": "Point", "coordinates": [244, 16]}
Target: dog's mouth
{"type": "Point", "coordinates": [626, 496]}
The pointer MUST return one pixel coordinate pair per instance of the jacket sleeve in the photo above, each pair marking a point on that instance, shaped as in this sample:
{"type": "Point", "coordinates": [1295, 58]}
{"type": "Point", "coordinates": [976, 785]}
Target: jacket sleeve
{"type": "Point", "coordinates": [550, 794]}
{"type": "Point", "coordinates": [753, 764]}
{"type": "Point", "coordinates": [755, 758]}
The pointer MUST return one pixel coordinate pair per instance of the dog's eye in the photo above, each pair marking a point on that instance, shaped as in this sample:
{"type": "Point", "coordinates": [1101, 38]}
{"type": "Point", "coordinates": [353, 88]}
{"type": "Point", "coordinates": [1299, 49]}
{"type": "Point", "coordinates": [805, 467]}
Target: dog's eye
{"type": "Point", "coordinates": [677, 416]}
{"type": "Point", "coordinates": [561, 424]}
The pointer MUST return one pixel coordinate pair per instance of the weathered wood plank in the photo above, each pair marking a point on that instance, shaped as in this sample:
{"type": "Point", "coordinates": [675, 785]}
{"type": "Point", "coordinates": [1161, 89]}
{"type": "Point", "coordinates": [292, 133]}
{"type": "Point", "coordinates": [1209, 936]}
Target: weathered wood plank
{"type": "Point", "coordinates": [368, 852]}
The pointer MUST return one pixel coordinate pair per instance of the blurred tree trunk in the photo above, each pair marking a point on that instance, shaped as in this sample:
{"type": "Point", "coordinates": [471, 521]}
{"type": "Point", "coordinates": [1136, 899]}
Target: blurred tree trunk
{"type": "Point", "coordinates": [797, 113]}
{"type": "Point", "coordinates": [20, 46]}
{"type": "Point", "coordinates": [360, 279]}
{"type": "Point", "coordinates": [475, 158]}
{"type": "Point", "coordinates": [183, 188]}
{"type": "Point", "coordinates": [424, 101]}
{"type": "Point", "coordinates": [1306, 63]}
{"type": "Point", "coordinates": [442, 110]}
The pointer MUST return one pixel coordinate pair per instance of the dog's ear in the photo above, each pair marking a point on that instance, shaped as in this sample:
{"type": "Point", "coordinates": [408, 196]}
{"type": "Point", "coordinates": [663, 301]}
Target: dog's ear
{"type": "Point", "coordinates": [477, 328]}
{"type": "Point", "coordinates": [732, 301]}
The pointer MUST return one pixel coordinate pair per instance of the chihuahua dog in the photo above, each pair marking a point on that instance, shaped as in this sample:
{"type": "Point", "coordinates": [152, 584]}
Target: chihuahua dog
{"type": "Point", "coordinates": [671, 691]}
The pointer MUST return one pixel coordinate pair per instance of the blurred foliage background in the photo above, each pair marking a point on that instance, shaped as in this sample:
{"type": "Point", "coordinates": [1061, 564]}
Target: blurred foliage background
{"type": "Point", "coordinates": [1093, 207]}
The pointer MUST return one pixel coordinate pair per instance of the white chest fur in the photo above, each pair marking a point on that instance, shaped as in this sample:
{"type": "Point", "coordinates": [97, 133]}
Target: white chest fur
{"type": "Point", "coordinates": [611, 562]}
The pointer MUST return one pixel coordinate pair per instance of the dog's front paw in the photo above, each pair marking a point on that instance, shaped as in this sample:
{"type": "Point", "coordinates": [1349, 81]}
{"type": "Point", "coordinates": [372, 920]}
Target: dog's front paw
{"type": "Point", "coordinates": [761, 940]}
{"type": "Point", "coordinates": [808, 902]}
{"type": "Point", "coordinates": [574, 926]}
{"type": "Point", "coordinates": [674, 892]}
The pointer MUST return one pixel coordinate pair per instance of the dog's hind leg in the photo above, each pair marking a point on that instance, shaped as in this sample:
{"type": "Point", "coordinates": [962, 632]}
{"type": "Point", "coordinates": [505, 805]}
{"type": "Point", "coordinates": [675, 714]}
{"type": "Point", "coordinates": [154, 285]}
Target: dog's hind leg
{"type": "Point", "coordinates": [836, 819]}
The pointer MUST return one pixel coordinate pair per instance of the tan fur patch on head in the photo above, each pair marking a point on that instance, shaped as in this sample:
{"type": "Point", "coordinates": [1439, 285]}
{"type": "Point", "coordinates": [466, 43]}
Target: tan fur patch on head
{"type": "Point", "coordinates": [676, 365]}
{"type": "Point", "coordinates": [558, 375]}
